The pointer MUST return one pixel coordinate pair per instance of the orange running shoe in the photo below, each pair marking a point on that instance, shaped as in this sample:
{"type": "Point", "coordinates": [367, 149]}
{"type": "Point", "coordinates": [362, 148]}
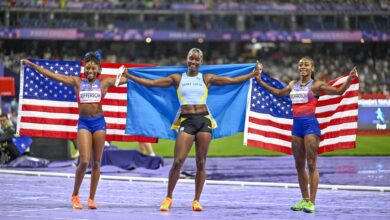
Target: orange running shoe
{"type": "Point", "coordinates": [91, 204]}
{"type": "Point", "coordinates": [166, 204]}
{"type": "Point", "coordinates": [76, 202]}
{"type": "Point", "coordinates": [196, 206]}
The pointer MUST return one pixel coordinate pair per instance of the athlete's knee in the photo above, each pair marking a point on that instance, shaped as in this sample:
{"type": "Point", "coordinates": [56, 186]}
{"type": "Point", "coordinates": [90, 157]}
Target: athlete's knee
{"type": "Point", "coordinates": [201, 164]}
{"type": "Point", "coordinates": [312, 165]}
{"type": "Point", "coordinates": [178, 163]}
{"type": "Point", "coordinates": [300, 165]}
{"type": "Point", "coordinates": [83, 164]}
{"type": "Point", "coordinates": [96, 165]}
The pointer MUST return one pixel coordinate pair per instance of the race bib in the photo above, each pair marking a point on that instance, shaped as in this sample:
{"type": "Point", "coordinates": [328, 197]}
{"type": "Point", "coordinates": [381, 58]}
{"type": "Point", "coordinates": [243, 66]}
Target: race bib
{"type": "Point", "coordinates": [90, 96]}
{"type": "Point", "coordinates": [300, 96]}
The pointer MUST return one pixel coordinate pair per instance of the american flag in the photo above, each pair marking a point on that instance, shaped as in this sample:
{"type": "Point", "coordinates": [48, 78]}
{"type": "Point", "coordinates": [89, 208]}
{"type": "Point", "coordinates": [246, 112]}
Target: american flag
{"type": "Point", "coordinates": [48, 108]}
{"type": "Point", "coordinates": [268, 121]}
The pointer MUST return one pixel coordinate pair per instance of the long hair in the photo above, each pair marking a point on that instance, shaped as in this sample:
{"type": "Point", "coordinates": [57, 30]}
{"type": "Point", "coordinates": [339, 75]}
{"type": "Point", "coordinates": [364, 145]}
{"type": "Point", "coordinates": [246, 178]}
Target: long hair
{"type": "Point", "coordinates": [312, 64]}
{"type": "Point", "coordinates": [94, 57]}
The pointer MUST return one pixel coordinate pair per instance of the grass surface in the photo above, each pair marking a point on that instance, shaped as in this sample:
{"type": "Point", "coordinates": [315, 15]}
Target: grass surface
{"type": "Point", "coordinates": [233, 147]}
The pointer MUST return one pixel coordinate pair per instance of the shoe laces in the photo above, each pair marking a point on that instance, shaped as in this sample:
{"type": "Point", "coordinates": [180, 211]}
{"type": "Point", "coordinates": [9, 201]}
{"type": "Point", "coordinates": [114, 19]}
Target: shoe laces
{"type": "Point", "coordinates": [76, 201]}
{"type": "Point", "coordinates": [196, 204]}
{"type": "Point", "coordinates": [167, 201]}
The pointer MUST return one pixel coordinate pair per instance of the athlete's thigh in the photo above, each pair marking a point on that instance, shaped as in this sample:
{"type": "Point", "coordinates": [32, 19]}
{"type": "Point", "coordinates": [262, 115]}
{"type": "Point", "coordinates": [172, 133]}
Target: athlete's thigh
{"type": "Point", "coordinates": [183, 144]}
{"type": "Point", "coordinates": [202, 143]}
{"type": "Point", "coordinates": [99, 137]}
{"type": "Point", "coordinates": [311, 142]}
{"type": "Point", "coordinates": [84, 143]}
{"type": "Point", "coordinates": [298, 148]}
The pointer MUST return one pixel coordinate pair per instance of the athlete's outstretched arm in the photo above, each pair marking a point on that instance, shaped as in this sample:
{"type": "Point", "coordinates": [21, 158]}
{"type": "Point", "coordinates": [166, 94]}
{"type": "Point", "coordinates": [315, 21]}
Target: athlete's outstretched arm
{"type": "Point", "coordinates": [109, 82]}
{"type": "Point", "coordinates": [212, 79]}
{"type": "Point", "coordinates": [69, 80]}
{"type": "Point", "coordinates": [330, 90]}
{"type": "Point", "coordinates": [161, 82]}
{"type": "Point", "coordinates": [279, 92]}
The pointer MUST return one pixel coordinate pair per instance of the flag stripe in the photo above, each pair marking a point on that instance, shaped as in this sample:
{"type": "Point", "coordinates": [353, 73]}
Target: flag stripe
{"type": "Point", "coordinates": [268, 146]}
{"type": "Point", "coordinates": [331, 106]}
{"type": "Point", "coordinates": [340, 108]}
{"type": "Point", "coordinates": [269, 134]}
{"type": "Point", "coordinates": [338, 133]}
{"type": "Point", "coordinates": [49, 108]}
{"type": "Point", "coordinates": [338, 146]}
{"type": "Point", "coordinates": [52, 121]}
{"type": "Point", "coordinates": [45, 133]}
{"type": "Point", "coordinates": [270, 123]}
{"type": "Point", "coordinates": [338, 140]}
{"type": "Point", "coordinates": [268, 140]}
{"type": "Point", "coordinates": [338, 99]}
{"type": "Point", "coordinates": [38, 108]}
{"type": "Point", "coordinates": [338, 121]}
{"type": "Point", "coordinates": [264, 127]}
{"type": "Point", "coordinates": [350, 125]}
{"type": "Point", "coordinates": [353, 112]}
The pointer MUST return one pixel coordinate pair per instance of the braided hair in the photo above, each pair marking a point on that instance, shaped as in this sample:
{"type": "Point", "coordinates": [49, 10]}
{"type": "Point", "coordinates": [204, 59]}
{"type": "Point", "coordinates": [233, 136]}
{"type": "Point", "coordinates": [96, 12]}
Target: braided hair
{"type": "Point", "coordinates": [93, 57]}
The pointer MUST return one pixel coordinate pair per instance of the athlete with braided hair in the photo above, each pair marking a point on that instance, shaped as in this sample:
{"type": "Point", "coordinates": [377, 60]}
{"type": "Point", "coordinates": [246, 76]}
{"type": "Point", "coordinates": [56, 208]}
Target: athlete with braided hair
{"type": "Point", "coordinates": [91, 124]}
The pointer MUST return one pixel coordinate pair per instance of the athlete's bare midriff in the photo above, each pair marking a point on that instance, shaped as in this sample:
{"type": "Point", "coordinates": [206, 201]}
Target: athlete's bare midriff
{"type": "Point", "coordinates": [193, 109]}
{"type": "Point", "coordinates": [90, 110]}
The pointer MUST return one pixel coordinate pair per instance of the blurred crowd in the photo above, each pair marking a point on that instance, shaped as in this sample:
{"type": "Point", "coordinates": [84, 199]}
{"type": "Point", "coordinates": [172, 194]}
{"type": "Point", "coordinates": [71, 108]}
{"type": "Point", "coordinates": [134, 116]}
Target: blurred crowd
{"type": "Point", "coordinates": [279, 59]}
{"type": "Point", "coordinates": [171, 4]}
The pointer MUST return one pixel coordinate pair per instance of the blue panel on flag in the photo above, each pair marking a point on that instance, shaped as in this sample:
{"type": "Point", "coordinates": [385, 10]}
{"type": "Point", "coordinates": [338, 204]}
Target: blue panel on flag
{"type": "Point", "coordinates": [37, 86]}
{"type": "Point", "coordinates": [264, 102]}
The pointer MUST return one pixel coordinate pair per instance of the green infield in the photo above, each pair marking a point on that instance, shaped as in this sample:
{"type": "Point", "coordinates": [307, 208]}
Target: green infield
{"type": "Point", "coordinates": [233, 147]}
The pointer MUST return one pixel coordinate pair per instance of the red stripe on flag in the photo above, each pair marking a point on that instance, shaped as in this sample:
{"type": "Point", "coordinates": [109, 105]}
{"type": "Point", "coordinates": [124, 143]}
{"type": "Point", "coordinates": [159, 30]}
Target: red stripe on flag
{"type": "Point", "coordinates": [49, 134]}
{"type": "Point", "coordinates": [266, 122]}
{"type": "Point", "coordinates": [117, 102]}
{"type": "Point", "coordinates": [115, 114]}
{"type": "Point", "coordinates": [338, 146]}
{"type": "Point", "coordinates": [339, 133]}
{"type": "Point", "coordinates": [269, 134]}
{"type": "Point", "coordinates": [354, 80]}
{"type": "Point", "coordinates": [38, 108]}
{"type": "Point", "coordinates": [50, 121]}
{"type": "Point", "coordinates": [116, 137]}
{"type": "Point", "coordinates": [340, 108]}
{"type": "Point", "coordinates": [268, 146]}
{"type": "Point", "coordinates": [337, 100]}
{"type": "Point", "coordinates": [117, 90]}
{"type": "Point", "coordinates": [338, 121]}
{"type": "Point", "coordinates": [116, 126]}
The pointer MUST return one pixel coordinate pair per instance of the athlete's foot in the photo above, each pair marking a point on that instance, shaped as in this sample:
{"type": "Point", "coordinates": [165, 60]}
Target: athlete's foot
{"type": "Point", "coordinates": [196, 206]}
{"type": "Point", "coordinates": [309, 208]}
{"type": "Point", "coordinates": [76, 202]}
{"type": "Point", "coordinates": [166, 204]}
{"type": "Point", "coordinates": [300, 205]}
{"type": "Point", "coordinates": [91, 204]}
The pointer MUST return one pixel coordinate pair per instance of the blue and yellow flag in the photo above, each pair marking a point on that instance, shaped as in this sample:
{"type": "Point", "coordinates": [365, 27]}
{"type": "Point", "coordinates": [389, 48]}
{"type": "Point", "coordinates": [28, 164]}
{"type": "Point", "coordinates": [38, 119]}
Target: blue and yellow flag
{"type": "Point", "coordinates": [152, 110]}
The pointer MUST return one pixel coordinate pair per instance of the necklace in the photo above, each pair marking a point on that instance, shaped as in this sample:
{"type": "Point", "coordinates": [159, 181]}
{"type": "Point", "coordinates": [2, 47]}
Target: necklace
{"type": "Point", "coordinates": [303, 85]}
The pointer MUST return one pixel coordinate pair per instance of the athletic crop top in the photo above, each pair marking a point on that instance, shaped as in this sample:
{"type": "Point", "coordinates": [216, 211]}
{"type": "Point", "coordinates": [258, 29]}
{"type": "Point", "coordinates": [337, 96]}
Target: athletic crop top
{"type": "Point", "coordinates": [192, 90]}
{"type": "Point", "coordinates": [90, 93]}
{"type": "Point", "coordinates": [303, 100]}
